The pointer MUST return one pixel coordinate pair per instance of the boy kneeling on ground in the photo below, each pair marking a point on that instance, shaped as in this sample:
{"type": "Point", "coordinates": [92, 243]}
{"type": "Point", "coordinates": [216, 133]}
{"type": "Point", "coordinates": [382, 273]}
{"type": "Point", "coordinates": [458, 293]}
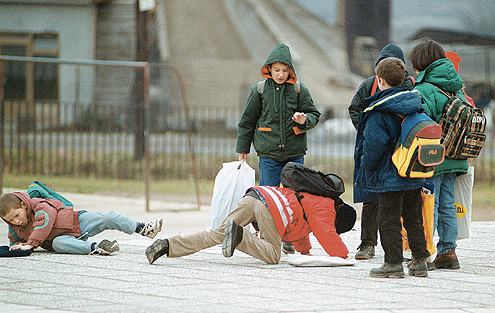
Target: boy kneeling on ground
{"type": "Point", "coordinates": [280, 217]}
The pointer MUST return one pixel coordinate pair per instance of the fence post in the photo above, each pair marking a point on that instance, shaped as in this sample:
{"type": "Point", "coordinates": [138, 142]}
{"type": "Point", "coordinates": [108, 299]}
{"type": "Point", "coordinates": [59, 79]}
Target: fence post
{"type": "Point", "coordinates": [146, 100]}
{"type": "Point", "coordinates": [2, 129]}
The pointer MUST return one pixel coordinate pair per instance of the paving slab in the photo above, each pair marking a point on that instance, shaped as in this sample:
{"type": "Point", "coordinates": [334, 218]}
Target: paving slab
{"type": "Point", "coordinates": [208, 282]}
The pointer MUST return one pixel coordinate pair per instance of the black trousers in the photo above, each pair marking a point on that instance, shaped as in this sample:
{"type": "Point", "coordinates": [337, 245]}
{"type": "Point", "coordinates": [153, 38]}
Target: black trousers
{"type": "Point", "coordinates": [369, 223]}
{"type": "Point", "coordinates": [392, 206]}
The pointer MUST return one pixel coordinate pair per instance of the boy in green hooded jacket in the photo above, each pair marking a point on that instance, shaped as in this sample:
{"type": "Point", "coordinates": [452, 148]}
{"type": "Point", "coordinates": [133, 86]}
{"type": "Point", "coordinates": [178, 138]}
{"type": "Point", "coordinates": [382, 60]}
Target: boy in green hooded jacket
{"type": "Point", "coordinates": [278, 113]}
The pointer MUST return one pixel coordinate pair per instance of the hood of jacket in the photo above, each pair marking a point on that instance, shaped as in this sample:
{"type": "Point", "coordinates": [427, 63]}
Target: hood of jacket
{"type": "Point", "coordinates": [398, 100]}
{"type": "Point", "coordinates": [281, 53]}
{"type": "Point", "coordinates": [390, 50]}
{"type": "Point", "coordinates": [441, 73]}
{"type": "Point", "coordinates": [30, 208]}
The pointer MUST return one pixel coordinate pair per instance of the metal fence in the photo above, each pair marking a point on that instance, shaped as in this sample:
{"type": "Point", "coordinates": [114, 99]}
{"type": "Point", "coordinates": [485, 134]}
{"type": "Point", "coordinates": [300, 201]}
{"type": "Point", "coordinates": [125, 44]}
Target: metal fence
{"type": "Point", "coordinates": [88, 138]}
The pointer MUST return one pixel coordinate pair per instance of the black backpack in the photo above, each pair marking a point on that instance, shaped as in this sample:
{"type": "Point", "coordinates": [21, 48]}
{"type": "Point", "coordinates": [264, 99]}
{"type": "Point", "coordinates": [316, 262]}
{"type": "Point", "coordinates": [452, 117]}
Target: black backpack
{"type": "Point", "coordinates": [300, 178]}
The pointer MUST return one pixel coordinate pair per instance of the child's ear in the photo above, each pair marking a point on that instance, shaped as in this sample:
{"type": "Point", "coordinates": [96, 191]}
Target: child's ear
{"type": "Point", "coordinates": [23, 205]}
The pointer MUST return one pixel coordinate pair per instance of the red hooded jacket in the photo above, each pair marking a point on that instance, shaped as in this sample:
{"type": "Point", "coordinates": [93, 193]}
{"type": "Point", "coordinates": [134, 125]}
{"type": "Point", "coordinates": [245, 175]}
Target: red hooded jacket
{"type": "Point", "coordinates": [47, 219]}
{"type": "Point", "coordinates": [294, 227]}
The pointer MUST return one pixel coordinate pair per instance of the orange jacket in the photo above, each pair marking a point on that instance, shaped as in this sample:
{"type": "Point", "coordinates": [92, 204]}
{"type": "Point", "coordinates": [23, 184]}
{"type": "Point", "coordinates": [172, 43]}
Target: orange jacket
{"type": "Point", "coordinates": [47, 219]}
{"type": "Point", "coordinates": [295, 223]}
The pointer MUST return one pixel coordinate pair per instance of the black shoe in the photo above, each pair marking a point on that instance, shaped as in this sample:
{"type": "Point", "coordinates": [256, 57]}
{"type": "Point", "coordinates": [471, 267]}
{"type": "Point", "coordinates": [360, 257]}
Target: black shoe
{"type": "Point", "coordinates": [365, 252]}
{"type": "Point", "coordinates": [288, 248]}
{"type": "Point", "coordinates": [418, 268]}
{"type": "Point", "coordinates": [388, 271]}
{"type": "Point", "coordinates": [233, 237]}
{"type": "Point", "coordinates": [156, 250]}
{"type": "Point", "coordinates": [106, 247]}
{"type": "Point", "coordinates": [429, 265]}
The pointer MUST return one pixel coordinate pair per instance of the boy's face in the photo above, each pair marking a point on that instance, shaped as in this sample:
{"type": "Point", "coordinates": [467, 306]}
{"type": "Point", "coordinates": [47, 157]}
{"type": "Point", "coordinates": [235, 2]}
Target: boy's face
{"type": "Point", "coordinates": [17, 216]}
{"type": "Point", "coordinates": [279, 72]}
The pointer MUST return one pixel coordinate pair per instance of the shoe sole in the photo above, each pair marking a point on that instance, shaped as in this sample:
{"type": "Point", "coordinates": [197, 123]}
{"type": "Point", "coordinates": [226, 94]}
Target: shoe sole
{"type": "Point", "coordinates": [418, 273]}
{"type": "Point", "coordinates": [388, 275]}
{"type": "Point", "coordinates": [114, 247]}
{"type": "Point", "coordinates": [153, 251]}
{"type": "Point", "coordinates": [159, 229]}
{"type": "Point", "coordinates": [228, 242]}
{"type": "Point", "coordinates": [357, 257]}
{"type": "Point", "coordinates": [448, 267]}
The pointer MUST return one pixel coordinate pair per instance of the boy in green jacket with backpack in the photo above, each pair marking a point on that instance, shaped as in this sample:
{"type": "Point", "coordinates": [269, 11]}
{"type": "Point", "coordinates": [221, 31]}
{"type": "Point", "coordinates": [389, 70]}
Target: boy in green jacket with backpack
{"type": "Point", "coordinates": [278, 113]}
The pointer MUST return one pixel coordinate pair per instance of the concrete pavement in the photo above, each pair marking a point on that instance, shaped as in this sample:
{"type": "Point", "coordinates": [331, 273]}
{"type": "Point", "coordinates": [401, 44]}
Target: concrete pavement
{"type": "Point", "coordinates": [208, 282]}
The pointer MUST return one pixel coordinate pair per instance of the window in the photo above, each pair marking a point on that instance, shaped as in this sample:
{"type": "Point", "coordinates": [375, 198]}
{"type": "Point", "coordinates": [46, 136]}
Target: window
{"type": "Point", "coordinates": [30, 81]}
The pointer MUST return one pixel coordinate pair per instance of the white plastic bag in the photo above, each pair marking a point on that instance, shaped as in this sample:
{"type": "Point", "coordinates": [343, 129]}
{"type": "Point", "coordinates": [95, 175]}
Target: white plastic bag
{"type": "Point", "coordinates": [231, 184]}
{"type": "Point", "coordinates": [463, 194]}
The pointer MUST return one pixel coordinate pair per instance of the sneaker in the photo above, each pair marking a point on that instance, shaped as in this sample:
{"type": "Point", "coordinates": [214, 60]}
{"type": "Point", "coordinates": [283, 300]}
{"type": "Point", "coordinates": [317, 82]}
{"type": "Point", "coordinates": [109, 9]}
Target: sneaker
{"type": "Point", "coordinates": [447, 261]}
{"type": "Point", "coordinates": [388, 271]}
{"type": "Point", "coordinates": [152, 228]}
{"type": "Point", "coordinates": [156, 250]}
{"type": "Point", "coordinates": [418, 268]}
{"type": "Point", "coordinates": [288, 248]}
{"type": "Point", "coordinates": [106, 247]}
{"type": "Point", "coordinates": [365, 252]}
{"type": "Point", "coordinates": [233, 237]}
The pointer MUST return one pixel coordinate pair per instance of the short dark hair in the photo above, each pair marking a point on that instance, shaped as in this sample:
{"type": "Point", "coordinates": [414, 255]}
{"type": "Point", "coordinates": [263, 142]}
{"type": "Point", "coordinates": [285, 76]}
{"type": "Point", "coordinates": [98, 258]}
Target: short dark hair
{"type": "Point", "coordinates": [392, 70]}
{"type": "Point", "coordinates": [8, 202]}
{"type": "Point", "coordinates": [424, 53]}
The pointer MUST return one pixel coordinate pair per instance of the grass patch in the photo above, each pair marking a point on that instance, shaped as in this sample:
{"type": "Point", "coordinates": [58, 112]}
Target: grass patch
{"type": "Point", "coordinates": [116, 187]}
{"type": "Point", "coordinates": [183, 190]}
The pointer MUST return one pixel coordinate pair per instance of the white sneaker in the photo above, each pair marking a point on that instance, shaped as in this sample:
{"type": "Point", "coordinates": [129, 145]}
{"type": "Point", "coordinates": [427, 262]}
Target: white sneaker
{"type": "Point", "coordinates": [152, 228]}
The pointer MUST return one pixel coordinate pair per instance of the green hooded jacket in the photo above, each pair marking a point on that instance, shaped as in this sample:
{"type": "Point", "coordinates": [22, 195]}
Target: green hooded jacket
{"type": "Point", "coordinates": [441, 73]}
{"type": "Point", "coordinates": [267, 118]}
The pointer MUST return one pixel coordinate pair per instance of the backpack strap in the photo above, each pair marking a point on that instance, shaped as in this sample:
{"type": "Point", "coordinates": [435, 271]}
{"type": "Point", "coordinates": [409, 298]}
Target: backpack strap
{"type": "Point", "coordinates": [375, 86]}
{"type": "Point", "coordinates": [261, 86]}
{"type": "Point", "coordinates": [299, 197]}
{"type": "Point", "coordinates": [454, 94]}
{"type": "Point", "coordinates": [297, 86]}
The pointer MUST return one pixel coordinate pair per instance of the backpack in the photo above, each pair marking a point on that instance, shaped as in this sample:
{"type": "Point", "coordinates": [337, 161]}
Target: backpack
{"type": "Point", "coordinates": [261, 86]}
{"type": "Point", "coordinates": [463, 128]}
{"type": "Point", "coordinates": [38, 190]}
{"type": "Point", "coordinates": [300, 178]}
{"type": "Point", "coordinates": [418, 149]}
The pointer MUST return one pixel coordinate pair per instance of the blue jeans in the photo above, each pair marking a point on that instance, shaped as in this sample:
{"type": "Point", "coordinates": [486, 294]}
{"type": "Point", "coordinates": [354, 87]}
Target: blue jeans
{"type": "Point", "coordinates": [91, 225]}
{"type": "Point", "coordinates": [270, 170]}
{"type": "Point", "coordinates": [445, 214]}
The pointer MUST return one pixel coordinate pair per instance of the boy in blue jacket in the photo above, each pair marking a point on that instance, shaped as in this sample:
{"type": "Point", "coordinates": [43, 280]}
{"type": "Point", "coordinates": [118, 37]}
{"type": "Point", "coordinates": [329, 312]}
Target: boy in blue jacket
{"type": "Point", "coordinates": [378, 132]}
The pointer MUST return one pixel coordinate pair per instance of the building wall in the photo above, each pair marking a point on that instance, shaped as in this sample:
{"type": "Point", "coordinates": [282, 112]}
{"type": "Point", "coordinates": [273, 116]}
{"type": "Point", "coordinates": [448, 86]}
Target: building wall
{"type": "Point", "coordinates": [74, 24]}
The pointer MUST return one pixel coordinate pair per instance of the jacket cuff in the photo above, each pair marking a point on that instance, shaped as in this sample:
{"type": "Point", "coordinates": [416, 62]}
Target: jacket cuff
{"type": "Point", "coordinates": [34, 243]}
{"type": "Point", "coordinates": [297, 130]}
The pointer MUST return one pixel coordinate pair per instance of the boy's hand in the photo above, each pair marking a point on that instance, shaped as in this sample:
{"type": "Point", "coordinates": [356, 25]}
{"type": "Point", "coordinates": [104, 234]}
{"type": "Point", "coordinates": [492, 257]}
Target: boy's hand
{"type": "Point", "coordinates": [299, 118]}
{"type": "Point", "coordinates": [21, 246]}
{"type": "Point", "coordinates": [243, 156]}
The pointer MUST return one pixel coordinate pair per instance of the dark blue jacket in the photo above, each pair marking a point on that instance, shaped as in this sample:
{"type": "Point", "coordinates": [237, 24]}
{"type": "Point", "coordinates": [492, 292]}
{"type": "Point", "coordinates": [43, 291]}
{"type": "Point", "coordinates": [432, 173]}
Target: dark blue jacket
{"type": "Point", "coordinates": [378, 132]}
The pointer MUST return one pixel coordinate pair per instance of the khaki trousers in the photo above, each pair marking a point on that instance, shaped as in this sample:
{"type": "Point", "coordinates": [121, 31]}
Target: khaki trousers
{"type": "Point", "coordinates": [266, 247]}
